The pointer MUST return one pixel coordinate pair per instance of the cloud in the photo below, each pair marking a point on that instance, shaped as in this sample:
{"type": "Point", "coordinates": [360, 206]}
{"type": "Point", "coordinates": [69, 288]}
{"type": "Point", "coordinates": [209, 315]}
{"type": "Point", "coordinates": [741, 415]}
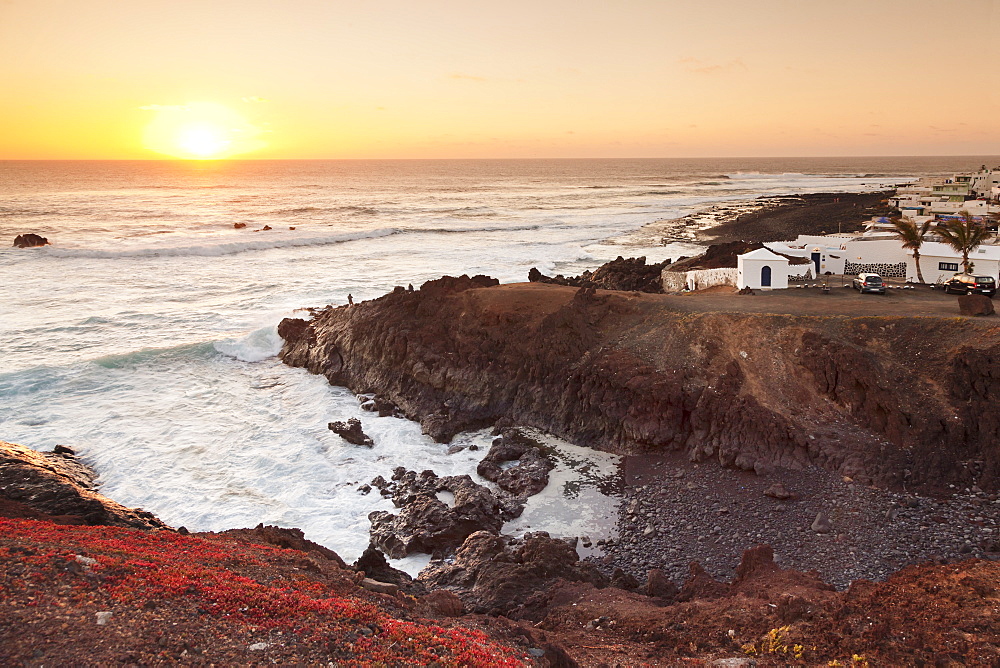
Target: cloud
{"type": "Point", "coordinates": [254, 99]}
{"type": "Point", "coordinates": [697, 66]}
{"type": "Point", "coordinates": [163, 107]}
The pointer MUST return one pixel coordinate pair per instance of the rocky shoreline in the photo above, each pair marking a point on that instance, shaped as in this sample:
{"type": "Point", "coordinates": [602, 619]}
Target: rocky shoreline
{"type": "Point", "coordinates": [767, 218]}
{"type": "Point", "coordinates": [673, 513]}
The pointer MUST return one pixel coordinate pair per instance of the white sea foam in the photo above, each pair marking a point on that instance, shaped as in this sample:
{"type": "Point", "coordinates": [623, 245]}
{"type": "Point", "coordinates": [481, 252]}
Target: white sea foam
{"type": "Point", "coordinates": [254, 347]}
{"type": "Point", "coordinates": [217, 247]}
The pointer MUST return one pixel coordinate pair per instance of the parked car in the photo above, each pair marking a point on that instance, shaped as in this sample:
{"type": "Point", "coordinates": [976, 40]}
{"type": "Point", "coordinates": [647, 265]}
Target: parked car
{"type": "Point", "coordinates": [967, 284]}
{"type": "Point", "coordinates": [869, 283]}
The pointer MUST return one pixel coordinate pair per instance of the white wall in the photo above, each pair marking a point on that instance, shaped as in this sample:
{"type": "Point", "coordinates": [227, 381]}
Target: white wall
{"type": "Point", "coordinates": [749, 274]}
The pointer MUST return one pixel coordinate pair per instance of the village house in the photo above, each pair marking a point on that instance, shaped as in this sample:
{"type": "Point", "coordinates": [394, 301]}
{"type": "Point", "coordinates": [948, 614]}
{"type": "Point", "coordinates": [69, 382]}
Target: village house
{"type": "Point", "coordinates": [877, 250]}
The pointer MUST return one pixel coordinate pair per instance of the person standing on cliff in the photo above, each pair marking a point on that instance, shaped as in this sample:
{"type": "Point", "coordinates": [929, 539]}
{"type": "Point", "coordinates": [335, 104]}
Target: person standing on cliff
{"type": "Point", "coordinates": [350, 300]}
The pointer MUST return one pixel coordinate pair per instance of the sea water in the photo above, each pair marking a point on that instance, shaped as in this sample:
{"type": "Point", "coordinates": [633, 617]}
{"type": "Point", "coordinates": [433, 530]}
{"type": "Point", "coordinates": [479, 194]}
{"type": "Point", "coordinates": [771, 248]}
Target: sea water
{"type": "Point", "coordinates": [144, 336]}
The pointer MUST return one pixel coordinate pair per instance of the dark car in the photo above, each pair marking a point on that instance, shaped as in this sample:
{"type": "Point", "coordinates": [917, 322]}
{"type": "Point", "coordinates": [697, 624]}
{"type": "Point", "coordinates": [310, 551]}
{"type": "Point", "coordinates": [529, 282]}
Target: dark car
{"type": "Point", "coordinates": [966, 284]}
{"type": "Point", "coordinates": [869, 283]}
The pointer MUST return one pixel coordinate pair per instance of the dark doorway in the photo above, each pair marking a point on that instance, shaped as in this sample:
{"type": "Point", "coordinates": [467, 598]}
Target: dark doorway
{"type": "Point", "coordinates": [765, 276]}
{"type": "Point", "coordinates": [815, 259]}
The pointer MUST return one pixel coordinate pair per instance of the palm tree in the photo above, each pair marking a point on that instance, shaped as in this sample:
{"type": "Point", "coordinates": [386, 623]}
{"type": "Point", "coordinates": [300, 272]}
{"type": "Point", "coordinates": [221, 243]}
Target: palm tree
{"type": "Point", "coordinates": [912, 237]}
{"type": "Point", "coordinates": [963, 234]}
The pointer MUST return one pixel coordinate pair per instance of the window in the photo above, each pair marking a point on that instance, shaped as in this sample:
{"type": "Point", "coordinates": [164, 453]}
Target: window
{"type": "Point", "coordinates": [948, 266]}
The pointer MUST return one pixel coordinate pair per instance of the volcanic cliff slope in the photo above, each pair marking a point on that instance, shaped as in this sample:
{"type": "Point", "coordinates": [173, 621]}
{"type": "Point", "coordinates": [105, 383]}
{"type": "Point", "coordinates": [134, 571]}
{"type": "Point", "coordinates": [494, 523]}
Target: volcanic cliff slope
{"type": "Point", "coordinates": [891, 400]}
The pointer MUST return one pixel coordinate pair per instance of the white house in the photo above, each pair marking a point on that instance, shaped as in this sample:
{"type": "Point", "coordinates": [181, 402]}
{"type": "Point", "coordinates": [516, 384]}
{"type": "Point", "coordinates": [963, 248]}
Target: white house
{"type": "Point", "coordinates": [761, 269]}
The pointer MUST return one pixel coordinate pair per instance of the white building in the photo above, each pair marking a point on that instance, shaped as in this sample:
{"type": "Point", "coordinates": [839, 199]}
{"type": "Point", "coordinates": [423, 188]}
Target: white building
{"type": "Point", "coordinates": [761, 269]}
{"type": "Point", "coordinates": [884, 254]}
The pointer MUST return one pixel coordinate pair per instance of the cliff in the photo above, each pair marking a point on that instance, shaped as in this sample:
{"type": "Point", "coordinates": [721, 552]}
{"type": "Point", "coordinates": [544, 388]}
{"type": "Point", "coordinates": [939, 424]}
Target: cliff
{"type": "Point", "coordinates": [891, 400]}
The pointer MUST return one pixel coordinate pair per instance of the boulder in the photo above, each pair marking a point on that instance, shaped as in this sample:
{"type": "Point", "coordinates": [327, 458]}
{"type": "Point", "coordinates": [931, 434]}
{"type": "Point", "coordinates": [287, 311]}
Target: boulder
{"type": "Point", "coordinates": [658, 585]}
{"type": "Point", "coordinates": [975, 305]}
{"type": "Point", "coordinates": [427, 524]}
{"type": "Point", "coordinates": [239, 226]}
{"type": "Point", "coordinates": [822, 523]}
{"type": "Point", "coordinates": [29, 241]}
{"type": "Point", "coordinates": [780, 492]}
{"type": "Point", "coordinates": [498, 579]}
{"type": "Point", "coordinates": [373, 564]}
{"type": "Point", "coordinates": [440, 603]}
{"type": "Point", "coordinates": [351, 432]}
{"type": "Point", "coordinates": [531, 473]}
{"type": "Point", "coordinates": [289, 539]}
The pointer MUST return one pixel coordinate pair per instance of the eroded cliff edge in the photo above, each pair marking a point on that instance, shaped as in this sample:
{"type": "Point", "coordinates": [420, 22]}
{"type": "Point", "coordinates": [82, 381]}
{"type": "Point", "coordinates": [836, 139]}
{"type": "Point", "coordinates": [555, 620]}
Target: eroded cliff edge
{"type": "Point", "coordinates": [896, 401]}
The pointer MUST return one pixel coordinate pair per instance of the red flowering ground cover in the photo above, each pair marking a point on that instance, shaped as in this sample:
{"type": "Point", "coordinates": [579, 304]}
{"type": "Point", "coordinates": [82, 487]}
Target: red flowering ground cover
{"type": "Point", "coordinates": [202, 600]}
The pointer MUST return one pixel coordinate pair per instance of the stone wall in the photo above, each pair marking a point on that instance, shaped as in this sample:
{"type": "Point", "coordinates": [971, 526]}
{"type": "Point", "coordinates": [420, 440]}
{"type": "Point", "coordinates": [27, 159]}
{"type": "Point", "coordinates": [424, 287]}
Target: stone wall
{"type": "Point", "coordinates": [883, 269]}
{"type": "Point", "coordinates": [698, 279]}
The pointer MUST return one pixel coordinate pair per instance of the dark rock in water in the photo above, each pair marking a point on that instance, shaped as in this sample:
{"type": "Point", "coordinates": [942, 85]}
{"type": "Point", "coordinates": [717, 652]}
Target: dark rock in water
{"type": "Point", "coordinates": [975, 305]}
{"type": "Point", "coordinates": [379, 404]}
{"type": "Point", "coordinates": [426, 524]}
{"type": "Point", "coordinates": [239, 226]}
{"type": "Point", "coordinates": [63, 450]}
{"type": "Point", "coordinates": [29, 240]}
{"type": "Point", "coordinates": [266, 228]}
{"type": "Point", "coordinates": [497, 579]}
{"type": "Point", "coordinates": [528, 477]}
{"type": "Point", "coordinates": [59, 488]}
{"type": "Point", "coordinates": [624, 274]}
{"type": "Point", "coordinates": [374, 565]}
{"type": "Point", "coordinates": [351, 432]}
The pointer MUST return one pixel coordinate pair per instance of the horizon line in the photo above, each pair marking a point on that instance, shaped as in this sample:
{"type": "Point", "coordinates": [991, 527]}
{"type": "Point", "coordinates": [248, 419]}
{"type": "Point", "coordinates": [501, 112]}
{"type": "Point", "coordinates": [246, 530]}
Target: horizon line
{"type": "Point", "coordinates": [719, 157]}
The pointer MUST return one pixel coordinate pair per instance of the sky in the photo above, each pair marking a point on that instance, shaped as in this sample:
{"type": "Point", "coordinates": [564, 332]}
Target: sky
{"type": "Point", "coordinates": [147, 79]}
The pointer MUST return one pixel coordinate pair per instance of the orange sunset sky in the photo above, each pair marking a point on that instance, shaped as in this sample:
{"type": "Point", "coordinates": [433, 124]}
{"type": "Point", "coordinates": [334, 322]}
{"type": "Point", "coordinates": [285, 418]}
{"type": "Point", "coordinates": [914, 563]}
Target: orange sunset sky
{"type": "Point", "coordinates": [470, 79]}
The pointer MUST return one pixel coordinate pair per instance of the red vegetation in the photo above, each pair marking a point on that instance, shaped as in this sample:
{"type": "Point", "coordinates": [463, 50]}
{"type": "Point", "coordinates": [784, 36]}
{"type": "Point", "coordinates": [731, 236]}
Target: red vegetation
{"type": "Point", "coordinates": [239, 595]}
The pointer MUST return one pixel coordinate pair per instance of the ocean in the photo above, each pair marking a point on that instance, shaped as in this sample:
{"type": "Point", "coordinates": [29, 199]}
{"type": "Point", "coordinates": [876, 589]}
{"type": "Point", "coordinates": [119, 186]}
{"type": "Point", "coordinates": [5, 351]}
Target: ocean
{"type": "Point", "coordinates": [144, 337]}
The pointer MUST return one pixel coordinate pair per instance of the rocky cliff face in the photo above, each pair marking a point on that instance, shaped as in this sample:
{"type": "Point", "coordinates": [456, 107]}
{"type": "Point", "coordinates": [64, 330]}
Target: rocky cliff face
{"type": "Point", "coordinates": [897, 401]}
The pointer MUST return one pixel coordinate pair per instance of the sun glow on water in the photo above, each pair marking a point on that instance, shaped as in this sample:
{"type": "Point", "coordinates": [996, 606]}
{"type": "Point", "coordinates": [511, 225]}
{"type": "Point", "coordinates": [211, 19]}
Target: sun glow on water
{"type": "Point", "coordinates": [200, 131]}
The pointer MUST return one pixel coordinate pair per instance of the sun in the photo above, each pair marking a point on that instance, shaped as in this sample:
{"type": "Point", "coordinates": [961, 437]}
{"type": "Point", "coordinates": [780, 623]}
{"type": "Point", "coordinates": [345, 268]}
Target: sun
{"type": "Point", "coordinates": [200, 131]}
{"type": "Point", "coordinates": [203, 140]}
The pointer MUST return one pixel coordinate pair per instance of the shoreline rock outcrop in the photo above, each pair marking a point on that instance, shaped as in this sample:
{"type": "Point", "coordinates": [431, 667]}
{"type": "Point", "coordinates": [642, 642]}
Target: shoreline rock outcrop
{"type": "Point", "coordinates": [892, 401]}
{"type": "Point", "coordinates": [528, 476]}
{"type": "Point", "coordinates": [58, 487]}
{"type": "Point", "coordinates": [622, 273]}
{"type": "Point", "coordinates": [426, 523]}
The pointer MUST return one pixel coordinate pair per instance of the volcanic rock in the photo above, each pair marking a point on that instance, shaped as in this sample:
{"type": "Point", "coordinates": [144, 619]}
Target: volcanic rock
{"type": "Point", "coordinates": [373, 564]}
{"type": "Point", "coordinates": [289, 539]}
{"type": "Point", "coordinates": [975, 305]}
{"type": "Point", "coordinates": [351, 432]}
{"type": "Point", "coordinates": [628, 373]}
{"type": "Point", "coordinates": [29, 240]}
{"type": "Point", "coordinates": [822, 524]}
{"type": "Point", "coordinates": [658, 585]}
{"type": "Point", "coordinates": [440, 603]}
{"type": "Point", "coordinates": [60, 488]}
{"type": "Point", "coordinates": [493, 578]}
{"type": "Point", "coordinates": [531, 473]}
{"type": "Point", "coordinates": [426, 524]}
{"type": "Point", "coordinates": [780, 492]}
{"type": "Point", "coordinates": [625, 274]}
